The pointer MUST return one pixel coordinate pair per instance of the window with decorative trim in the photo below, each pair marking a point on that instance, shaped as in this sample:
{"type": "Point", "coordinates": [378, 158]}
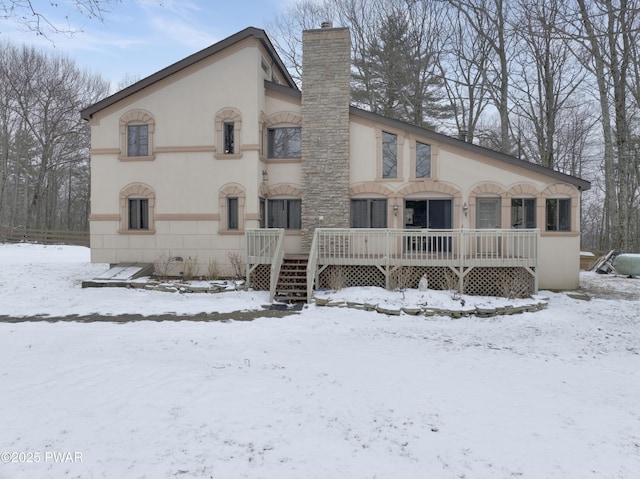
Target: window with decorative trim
{"type": "Point", "coordinates": [284, 213]}
{"type": "Point", "coordinates": [228, 124]}
{"type": "Point", "coordinates": [138, 214]}
{"type": "Point", "coordinates": [285, 142]}
{"type": "Point", "coordinates": [231, 200]}
{"type": "Point", "coordinates": [137, 209]}
{"type": "Point", "coordinates": [263, 213]}
{"type": "Point", "coordinates": [232, 213]}
{"type": "Point", "coordinates": [488, 213]}
{"type": "Point", "coordinates": [137, 140]}
{"type": "Point", "coordinates": [137, 130]}
{"type": "Point", "coordinates": [389, 155]}
{"type": "Point", "coordinates": [229, 143]}
{"type": "Point", "coordinates": [558, 214]}
{"type": "Point", "coordinates": [423, 160]}
{"type": "Point", "coordinates": [523, 213]}
{"type": "Point", "coordinates": [369, 213]}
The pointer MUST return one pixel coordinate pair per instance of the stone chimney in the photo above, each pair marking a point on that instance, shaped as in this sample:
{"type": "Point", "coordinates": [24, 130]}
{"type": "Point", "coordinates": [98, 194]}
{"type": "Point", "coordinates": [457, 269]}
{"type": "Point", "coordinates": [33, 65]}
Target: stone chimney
{"type": "Point", "coordinates": [326, 67]}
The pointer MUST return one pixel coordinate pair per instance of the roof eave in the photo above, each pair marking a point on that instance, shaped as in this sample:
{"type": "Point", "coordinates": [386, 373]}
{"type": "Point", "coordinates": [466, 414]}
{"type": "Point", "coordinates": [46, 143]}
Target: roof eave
{"type": "Point", "coordinates": [581, 184]}
{"type": "Point", "coordinates": [257, 33]}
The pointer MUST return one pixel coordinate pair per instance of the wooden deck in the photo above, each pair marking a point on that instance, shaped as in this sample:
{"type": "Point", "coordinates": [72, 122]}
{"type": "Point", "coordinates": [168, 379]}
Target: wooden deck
{"type": "Point", "coordinates": [461, 250]}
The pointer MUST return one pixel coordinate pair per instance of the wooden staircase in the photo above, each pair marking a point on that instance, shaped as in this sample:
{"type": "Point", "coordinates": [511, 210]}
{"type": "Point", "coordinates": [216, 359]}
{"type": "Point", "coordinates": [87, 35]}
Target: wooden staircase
{"type": "Point", "coordinates": [292, 282]}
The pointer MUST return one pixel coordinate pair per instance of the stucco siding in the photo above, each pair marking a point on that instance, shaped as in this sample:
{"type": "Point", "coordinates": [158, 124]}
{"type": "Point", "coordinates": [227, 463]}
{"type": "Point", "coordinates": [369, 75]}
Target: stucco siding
{"type": "Point", "coordinates": [560, 264]}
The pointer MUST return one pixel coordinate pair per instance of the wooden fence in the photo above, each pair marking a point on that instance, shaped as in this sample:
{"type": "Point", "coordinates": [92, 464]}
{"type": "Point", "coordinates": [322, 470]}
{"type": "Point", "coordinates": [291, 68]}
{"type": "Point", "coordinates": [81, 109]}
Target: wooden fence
{"type": "Point", "coordinates": [23, 235]}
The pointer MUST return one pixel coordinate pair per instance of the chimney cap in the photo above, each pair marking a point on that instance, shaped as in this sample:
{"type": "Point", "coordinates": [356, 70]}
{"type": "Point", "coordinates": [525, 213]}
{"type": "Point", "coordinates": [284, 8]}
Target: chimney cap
{"type": "Point", "coordinates": [326, 24]}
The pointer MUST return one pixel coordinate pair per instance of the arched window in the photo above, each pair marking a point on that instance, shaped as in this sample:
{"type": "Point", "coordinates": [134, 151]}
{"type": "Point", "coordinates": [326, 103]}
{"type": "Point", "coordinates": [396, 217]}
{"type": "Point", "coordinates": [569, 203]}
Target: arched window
{"type": "Point", "coordinates": [283, 136]}
{"type": "Point", "coordinates": [228, 124]}
{"type": "Point", "coordinates": [137, 209]}
{"type": "Point", "coordinates": [137, 132]}
{"type": "Point", "coordinates": [231, 201]}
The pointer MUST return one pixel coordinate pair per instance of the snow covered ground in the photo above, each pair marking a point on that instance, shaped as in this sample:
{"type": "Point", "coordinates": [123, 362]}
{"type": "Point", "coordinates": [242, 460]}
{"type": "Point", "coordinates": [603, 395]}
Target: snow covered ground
{"type": "Point", "coordinates": [327, 393]}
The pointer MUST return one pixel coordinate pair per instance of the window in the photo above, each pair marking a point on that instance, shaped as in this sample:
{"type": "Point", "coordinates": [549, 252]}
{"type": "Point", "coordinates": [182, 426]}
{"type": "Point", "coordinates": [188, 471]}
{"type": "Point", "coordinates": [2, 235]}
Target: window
{"type": "Point", "coordinates": [285, 214]}
{"type": "Point", "coordinates": [558, 214]}
{"type": "Point", "coordinates": [228, 133]}
{"type": "Point", "coordinates": [138, 214]}
{"type": "Point", "coordinates": [523, 213]}
{"type": "Point", "coordinates": [389, 155]}
{"type": "Point", "coordinates": [284, 142]}
{"type": "Point", "coordinates": [423, 160]}
{"type": "Point", "coordinates": [488, 213]}
{"type": "Point", "coordinates": [232, 213]}
{"type": "Point", "coordinates": [263, 214]}
{"type": "Point", "coordinates": [137, 140]}
{"type": "Point", "coordinates": [369, 213]}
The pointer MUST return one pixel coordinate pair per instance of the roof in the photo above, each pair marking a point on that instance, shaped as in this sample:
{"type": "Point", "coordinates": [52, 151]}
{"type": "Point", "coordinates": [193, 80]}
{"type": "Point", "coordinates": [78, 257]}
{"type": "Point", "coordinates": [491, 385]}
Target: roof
{"type": "Point", "coordinates": [447, 140]}
{"type": "Point", "coordinates": [250, 32]}
{"type": "Point", "coordinates": [470, 147]}
{"type": "Point", "coordinates": [291, 89]}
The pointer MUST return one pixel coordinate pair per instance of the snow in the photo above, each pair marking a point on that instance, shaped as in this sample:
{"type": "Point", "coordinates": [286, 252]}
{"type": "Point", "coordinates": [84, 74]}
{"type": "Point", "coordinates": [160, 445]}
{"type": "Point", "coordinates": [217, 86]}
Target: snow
{"type": "Point", "coordinates": [326, 393]}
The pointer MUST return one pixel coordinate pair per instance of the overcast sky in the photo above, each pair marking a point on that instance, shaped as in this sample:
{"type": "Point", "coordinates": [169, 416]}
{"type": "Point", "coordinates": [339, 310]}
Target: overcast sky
{"type": "Point", "coordinates": [140, 37]}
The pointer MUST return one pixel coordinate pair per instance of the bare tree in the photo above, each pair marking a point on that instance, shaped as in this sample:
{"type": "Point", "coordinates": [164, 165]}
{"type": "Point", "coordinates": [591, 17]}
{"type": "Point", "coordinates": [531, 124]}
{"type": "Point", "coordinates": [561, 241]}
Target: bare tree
{"type": "Point", "coordinates": [547, 79]}
{"type": "Point", "coordinates": [463, 65]}
{"type": "Point", "coordinates": [606, 32]}
{"type": "Point", "coordinates": [491, 21]}
{"type": "Point", "coordinates": [47, 160]}
{"type": "Point", "coordinates": [32, 16]}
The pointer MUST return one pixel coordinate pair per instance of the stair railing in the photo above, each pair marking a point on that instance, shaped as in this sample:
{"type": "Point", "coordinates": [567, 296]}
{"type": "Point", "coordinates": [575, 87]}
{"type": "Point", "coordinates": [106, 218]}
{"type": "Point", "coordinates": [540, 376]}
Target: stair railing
{"type": "Point", "coordinates": [276, 265]}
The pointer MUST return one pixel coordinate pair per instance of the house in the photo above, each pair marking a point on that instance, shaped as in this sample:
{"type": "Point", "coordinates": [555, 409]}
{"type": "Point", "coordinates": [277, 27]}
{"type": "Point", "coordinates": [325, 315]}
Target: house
{"type": "Point", "coordinates": [221, 157]}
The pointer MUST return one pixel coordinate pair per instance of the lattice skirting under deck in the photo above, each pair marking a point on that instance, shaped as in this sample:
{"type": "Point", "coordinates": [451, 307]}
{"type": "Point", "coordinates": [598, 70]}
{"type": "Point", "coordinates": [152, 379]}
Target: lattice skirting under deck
{"type": "Point", "coordinates": [260, 277]}
{"type": "Point", "coordinates": [494, 281]}
{"type": "Point", "coordinates": [479, 281]}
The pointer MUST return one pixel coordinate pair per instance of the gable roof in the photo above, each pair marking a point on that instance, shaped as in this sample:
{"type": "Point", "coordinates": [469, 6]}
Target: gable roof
{"type": "Point", "coordinates": [250, 32]}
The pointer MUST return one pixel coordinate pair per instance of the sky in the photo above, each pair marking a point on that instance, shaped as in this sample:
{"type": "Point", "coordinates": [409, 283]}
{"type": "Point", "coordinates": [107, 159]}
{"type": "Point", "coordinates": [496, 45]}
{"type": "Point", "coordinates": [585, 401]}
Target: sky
{"type": "Point", "coordinates": [139, 37]}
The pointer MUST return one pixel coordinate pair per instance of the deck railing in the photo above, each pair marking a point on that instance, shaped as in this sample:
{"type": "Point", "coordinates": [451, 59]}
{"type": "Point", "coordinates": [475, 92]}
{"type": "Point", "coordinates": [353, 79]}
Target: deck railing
{"type": "Point", "coordinates": [265, 246]}
{"type": "Point", "coordinates": [459, 249]}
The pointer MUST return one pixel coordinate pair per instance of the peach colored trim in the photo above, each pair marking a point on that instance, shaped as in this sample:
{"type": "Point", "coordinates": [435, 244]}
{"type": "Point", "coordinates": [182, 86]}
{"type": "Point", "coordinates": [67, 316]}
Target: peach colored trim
{"type": "Point", "coordinates": [231, 190]}
{"type": "Point", "coordinates": [187, 217]}
{"type": "Point", "coordinates": [523, 190]}
{"type": "Point", "coordinates": [489, 190]}
{"type": "Point", "coordinates": [284, 189]}
{"type": "Point", "coordinates": [136, 158]}
{"type": "Point", "coordinates": [555, 234]}
{"type": "Point", "coordinates": [400, 137]}
{"type": "Point", "coordinates": [104, 217]}
{"type": "Point", "coordinates": [185, 149]}
{"type": "Point", "coordinates": [367, 190]}
{"type": "Point", "coordinates": [370, 188]}
{"type": "Point", "coordinates": [228, 114]}
{"type": "Point", "coordinates": [560, 190]}
{"type": "Point", "coordinates": [137, 190]}
{"type": "Point", "coordinates": [137, 117]}
{"type": "Point", "coordinates": [280, 161]}
{"type": "Point", "coordinates": [429, 185]}
{"type": "Point", "coordinates": [283, 117]}
{"type": "Point", "coordinates": [137, 232]}
{"type": "Point", "coordinates": [104, 151]}
{"type": "Point", "coordinates": [435, 151]}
